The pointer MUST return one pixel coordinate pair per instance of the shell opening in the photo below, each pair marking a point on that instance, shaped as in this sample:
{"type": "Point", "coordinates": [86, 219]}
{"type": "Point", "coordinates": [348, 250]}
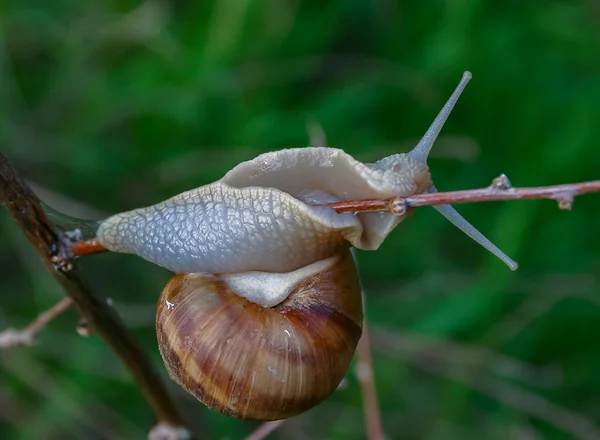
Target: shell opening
{"type": "Point", "coordinates": [268, 289]}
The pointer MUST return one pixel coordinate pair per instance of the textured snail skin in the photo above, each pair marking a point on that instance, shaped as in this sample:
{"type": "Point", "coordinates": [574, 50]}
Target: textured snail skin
{"type": "Point", "coordinates": [258, 363]}
{"type": "Point", "coordinates": [258, 217]}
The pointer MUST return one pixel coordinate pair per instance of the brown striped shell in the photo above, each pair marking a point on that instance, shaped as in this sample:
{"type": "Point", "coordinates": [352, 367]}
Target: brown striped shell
{"type": "Point", "coordinates": [252, 362]}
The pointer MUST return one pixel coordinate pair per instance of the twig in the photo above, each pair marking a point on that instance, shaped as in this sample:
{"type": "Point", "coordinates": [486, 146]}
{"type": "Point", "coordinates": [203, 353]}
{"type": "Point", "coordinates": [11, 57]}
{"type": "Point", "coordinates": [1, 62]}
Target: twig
{"type": "Point", "coordinates": [26, 210]}
{"type": "Point", "coordinates": [12, 338]}
{"type": "Point", "coordinates": [498, 191]}
{"type": "Point", "coordinates": [364, 372]}
{"type": "Point", "coordinates": [264, 430]}
{"type": "Point", "coordinates": [86, 247]}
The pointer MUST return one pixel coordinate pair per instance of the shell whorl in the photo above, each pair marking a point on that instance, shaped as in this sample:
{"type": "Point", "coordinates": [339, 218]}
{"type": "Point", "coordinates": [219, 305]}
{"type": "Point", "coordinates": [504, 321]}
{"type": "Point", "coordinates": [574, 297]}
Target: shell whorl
{"type": "Point", "coordinates": [252, 362]}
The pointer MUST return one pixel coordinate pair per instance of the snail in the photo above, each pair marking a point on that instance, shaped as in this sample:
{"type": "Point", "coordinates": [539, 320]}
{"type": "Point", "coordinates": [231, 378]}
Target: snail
{"type": "Point", "coordinates": [264, 313]}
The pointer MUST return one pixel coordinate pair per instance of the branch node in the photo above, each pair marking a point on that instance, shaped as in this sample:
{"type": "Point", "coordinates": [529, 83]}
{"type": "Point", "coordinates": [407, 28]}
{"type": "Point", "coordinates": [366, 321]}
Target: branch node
{"type": "Point", "coordinates": [398, 206]}
{"type": "Point", "coordinates": [83, 327]}
{"type": "Point", "coordinates": [62, 257]}
{"type": "Point", "coordinates": [11, 338]}
{"type": "Point", "coordinates": [565, 203]}
{"type": "Point", "coordinates": [62, 264]}
{"type": "Point", "coordinates": [501, 182]}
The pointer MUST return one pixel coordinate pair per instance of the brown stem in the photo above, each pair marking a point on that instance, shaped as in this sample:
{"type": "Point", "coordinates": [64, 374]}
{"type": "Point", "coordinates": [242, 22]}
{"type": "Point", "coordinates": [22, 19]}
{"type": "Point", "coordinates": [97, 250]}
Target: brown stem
{"type": "Point", "coordinates": [25, 208]}
{"type": "Point", "coordinates": [86, 247]}
{"type": "Point", "coordinates": [498, 191]}
{"type": "Point", "coordinates": [564, 194]}
{"type": "Point", "coordinates": [11, 338]}
{"type": "Point", "coordinates": [367, 205]}
{"type": "Point", "coordinates": [264, 430]}
{"type": "Point", "coordinates": [364, 372]}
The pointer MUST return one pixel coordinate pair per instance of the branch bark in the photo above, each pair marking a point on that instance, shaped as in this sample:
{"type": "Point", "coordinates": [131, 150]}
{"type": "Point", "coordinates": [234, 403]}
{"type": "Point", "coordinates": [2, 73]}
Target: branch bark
{"type": "Point", "coordinates": [499, 190]}
{"type": "Point", "coordinates": [364, 373]}
{"type": "Point", "coordinates": [264, 430]}
{"type": "Point", "coordinates": [10, 338]}
{"type": "Point", "coordinates": [54, 250]}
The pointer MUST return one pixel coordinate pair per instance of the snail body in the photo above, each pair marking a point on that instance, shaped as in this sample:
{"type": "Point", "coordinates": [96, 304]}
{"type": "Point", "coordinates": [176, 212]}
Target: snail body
{"type": "Point", "coordinates": [264, 314]}
{"type": "Point", "coordinates": [264, 207]}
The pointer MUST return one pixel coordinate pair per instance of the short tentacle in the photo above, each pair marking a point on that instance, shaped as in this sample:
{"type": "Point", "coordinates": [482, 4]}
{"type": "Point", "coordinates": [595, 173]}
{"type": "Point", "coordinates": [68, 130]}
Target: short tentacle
{"type": "Point", "coordinates": [461, 223]}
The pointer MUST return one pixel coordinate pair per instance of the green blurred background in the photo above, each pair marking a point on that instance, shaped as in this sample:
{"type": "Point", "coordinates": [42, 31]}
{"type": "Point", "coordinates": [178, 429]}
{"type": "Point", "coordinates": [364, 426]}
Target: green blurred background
{"type": "Point", "coordinates": [111, 105]}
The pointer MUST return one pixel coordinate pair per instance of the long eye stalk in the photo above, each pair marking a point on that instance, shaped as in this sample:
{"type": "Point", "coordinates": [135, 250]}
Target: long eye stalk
{"type": "Point", "coordinates": [421, 152]}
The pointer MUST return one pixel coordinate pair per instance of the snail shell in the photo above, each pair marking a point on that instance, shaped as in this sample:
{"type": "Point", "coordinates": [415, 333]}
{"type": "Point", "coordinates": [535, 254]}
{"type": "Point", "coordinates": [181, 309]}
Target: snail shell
{"type": "Point", "coordinates": [264, 318]}
{"type": "Point", "coordinates": [252, 362]}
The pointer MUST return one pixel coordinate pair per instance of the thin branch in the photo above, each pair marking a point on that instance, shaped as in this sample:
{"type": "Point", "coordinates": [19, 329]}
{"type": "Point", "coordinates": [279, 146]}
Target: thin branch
{"type": "Point", "coordinates": [53, 248]}
{"type": "Point", "coordinates": [264, 430]}
{"type": "Point", "coordinates": [364, 372]}
{"type": "Point", "coordinates": [562, 193]}
{"type": "Point", "coordinates": [366, 205]}
{"type": "Point", "coordinates": [10, 338]}
{"type": "Point", "coordinates": [500, 190]}
{"type": "Point", "coordinates": [86, 247]}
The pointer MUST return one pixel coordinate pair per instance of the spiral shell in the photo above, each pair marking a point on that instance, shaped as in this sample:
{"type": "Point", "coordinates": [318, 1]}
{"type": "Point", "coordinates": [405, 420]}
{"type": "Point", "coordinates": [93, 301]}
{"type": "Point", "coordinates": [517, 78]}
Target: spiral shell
{"type": "Point", "coordinates": [252, 362]}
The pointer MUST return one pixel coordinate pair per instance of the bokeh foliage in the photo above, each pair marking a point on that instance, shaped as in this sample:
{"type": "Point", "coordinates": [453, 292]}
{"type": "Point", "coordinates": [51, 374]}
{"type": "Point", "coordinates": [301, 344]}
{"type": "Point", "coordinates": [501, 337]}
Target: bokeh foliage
{"type": "Point", "coordinates": [111, 105]}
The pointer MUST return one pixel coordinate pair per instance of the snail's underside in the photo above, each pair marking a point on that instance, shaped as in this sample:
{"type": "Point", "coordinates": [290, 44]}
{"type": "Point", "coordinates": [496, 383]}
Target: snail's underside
{"type": "Point", "coordinates": [258, 363]}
